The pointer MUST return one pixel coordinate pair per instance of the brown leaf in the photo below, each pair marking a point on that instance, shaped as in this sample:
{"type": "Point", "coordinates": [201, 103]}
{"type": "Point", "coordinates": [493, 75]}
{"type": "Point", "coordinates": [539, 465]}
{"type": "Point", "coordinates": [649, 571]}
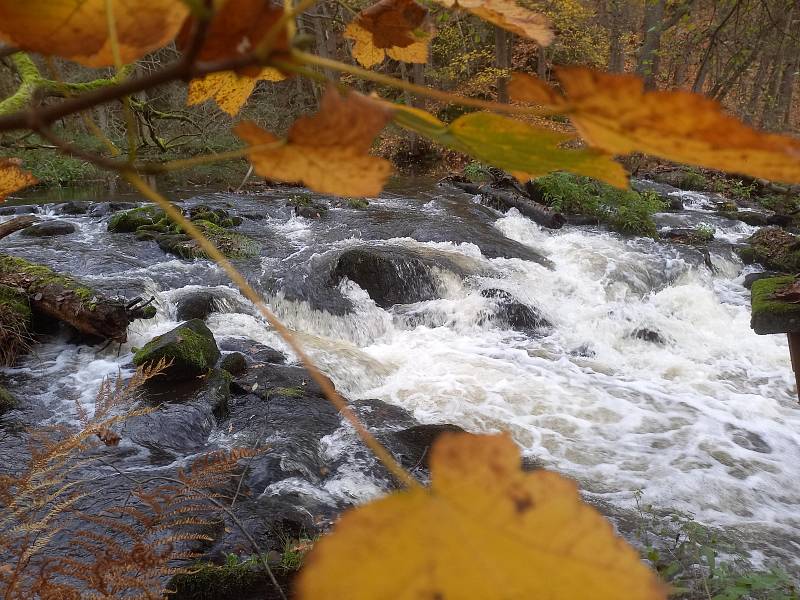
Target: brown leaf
{"type": "Point", "coordinates": [13, 178]}
{"type": "Point", "coordinates": [508, 15]}
{"type": "Point", "coordinates": [613, 112]}
{"type": "Point", "coordinates": [392, 22]}
{"type": "Point", "coordinates": [328, 150]}
{"type": "Point", "coordinates": [78, 29]}
{"type": "Point", "coordinates": [789, 293]}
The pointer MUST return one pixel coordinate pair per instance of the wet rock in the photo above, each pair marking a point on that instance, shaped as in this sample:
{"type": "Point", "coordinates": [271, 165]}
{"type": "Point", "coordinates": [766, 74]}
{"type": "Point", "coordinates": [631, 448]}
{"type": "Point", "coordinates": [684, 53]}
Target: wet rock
{"type": "Point", "coordinates": [776, 249]}
{"type": "Point", "coordinates": [648, 335]}
{"type": "Point", "coordinates": [689, 235]}
{"type": "Point", "coordinates": [389, 275]}
{"type": "Point", "coordinates": [312, 211]}
{"type": "Point", "coordinates": [751, 278]}
{"type": "Point", "coordinates": [7, 400]}
{"type": "Point", "coordinates": [234, 363]}
{"type": "Point", "coordinates": [49, 229]}
{"type": "Point", "coordinates": [512, 313]}
{"type": "Point", "coordinates": [756, 219]}
{"type": "Point", "coordinates": [748, 440]}
{"type": "Point", "coordinates": [412, 445]}
{"type": "Point", "coordinates": [131, 220]}
{"type": "Point", "coordinates": [217, 216]}
{"type": "Point", "coordinates": [582, 220]}
{"type": "Point", "coordinates": [770, 315]}
{"type": "Point", "coordinates": [101, 209]}
{"type": "Point", "coordinates": [583, 351]}
{"type": "Point", "coordinates": [23, 209]}
{"type": "Point", "coordinates": [253, 351]}
{"type": "Point", "coordinates": [187, 413]}
{"type": "Point", "coordinates": [195, 305]}
{"type": "Point", "coordinates": [190, 346]}
{"type": "Point", "coordinates": [73, 208]}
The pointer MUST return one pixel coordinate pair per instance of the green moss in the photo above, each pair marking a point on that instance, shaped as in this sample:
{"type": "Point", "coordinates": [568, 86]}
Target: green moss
{"type": "Point", "coordinates": [299, 200]}
{"type": "Point", "coordinates": [358, 203]}
{"type": "Point", "coordinates": [45, 276]}
{"type": "Point", "coordinates": [13, 302]}
{"type": "Point", "coordinates": [770, 315]}
{"type": "Point", "coordinates": [207, 581]}
{"type": "Point", "coordinates": [130, 220]}
{"type": "Point", "coordinates": [191, 348]}
{"type": "Point", "coordinates": [7, 401]}
{"type": "Point", "coordinates": [288, 392]}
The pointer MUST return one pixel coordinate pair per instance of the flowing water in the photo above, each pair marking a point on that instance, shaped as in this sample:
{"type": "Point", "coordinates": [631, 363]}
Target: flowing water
{"type": "Point", "coordinates": [703, 418]}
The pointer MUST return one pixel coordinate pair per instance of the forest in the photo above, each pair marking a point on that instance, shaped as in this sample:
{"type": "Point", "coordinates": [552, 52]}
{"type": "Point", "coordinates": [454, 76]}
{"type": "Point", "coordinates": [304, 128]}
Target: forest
{"type": "Point", "coordinates": [399, 299]}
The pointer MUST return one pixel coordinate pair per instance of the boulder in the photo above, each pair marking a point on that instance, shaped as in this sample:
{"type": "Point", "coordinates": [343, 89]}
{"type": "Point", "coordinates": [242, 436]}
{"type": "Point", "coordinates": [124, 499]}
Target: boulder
{"type": "Point", "coordinates": [191, 347]}
{"type": "Point", "coordinates": [776, 249]}
{"type": "Point", "coordinates": [648, 335]}
{"type": "Point", "coordinates": [218, 216]}
{"type": "Point", "coordinates": [769, 314]}
{"type": "Point", "coordinates": [73, 208]}
{"type": "Point", "coordinates": [234, 363]}
{"type": "Point", "coordinates": [412, 445]}
{"type": "Point", "coordinates": [511, 313]}
{"type": "Point", "coordinates": [255, 352]}
{"type": "Point", "coordinates": [49, 229]}
{"type": "Point", "coordinates": [389, 275]}
{"type": "Point", "coordinates": [751, 278]}
{"type": "Point", "coordinates": [195, 305]}
{"type": "Point", "coordinates": [130, 220]}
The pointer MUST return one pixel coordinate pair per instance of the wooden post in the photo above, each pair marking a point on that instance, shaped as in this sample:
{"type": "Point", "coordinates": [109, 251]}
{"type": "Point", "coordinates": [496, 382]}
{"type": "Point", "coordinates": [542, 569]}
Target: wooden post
{"type": "Point", "coordinates": [794, 353]}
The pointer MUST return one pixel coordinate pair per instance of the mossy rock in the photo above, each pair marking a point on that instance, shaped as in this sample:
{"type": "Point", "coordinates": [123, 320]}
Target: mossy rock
{"type": "Point", "coordinates": [191, 347]}
{"type": "Point", "coordinates": [44, 276]}
{"type": "Point", "coordinates": [217, 216]}
{"type": "Point", "coordinates": [234, 363]}
{"type": "Point", "coordinates": [208, 581]}
{"type": "Point", "coordinates": [131, 220]}
{"type": "Point", "coordinates": [776, 249]}
{"type": "Point", "coordinates": [7, 400]}
{"type": "Point", "coordinates": [770, 315]}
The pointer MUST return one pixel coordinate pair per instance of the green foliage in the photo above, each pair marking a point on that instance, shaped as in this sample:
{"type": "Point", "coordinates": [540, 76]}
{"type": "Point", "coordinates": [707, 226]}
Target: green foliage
{"type": "Point", "coordinates": [7, 401]}
{"type": "Point", "coordinates": [624, 211]}
{"type": "Point", "coordinates": [705, 232]}
{"type": "Point", "coordinates": [700, 564]}
{"type": "Point", "coordinates": [693, 180]}
{"type": "Point", "coordinates": [358, 203]}
{"type": "Point", "coordinates": [476, 172]}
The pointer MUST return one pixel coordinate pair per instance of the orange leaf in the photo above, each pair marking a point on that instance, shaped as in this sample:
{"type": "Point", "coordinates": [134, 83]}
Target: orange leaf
{"type": "Point", "coordinates": [392, 22]}
{"type": "Point", "coordinates": [13, 178]}
{"type": "Point", "coordinates": [484, 529]}
{"type": "Point", "coordinates": [326, 151]}
{"type": "Point", "coordinates": [368, 54]}
{"type": "Point", "coordinates": [614, 113]}
{"type": "Point", "coordinates": [508, 15]}
{"type": "Point", "coordinates": [228, 89]}
{"type": "Point", "coordinates": [78, 29]}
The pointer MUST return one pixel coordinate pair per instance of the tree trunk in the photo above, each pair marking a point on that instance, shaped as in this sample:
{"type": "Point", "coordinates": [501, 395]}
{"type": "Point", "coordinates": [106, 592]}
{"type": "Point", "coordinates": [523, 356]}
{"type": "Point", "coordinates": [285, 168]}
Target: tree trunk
{"type": "Point", "coordinates": [506, 200]}
{"type": "Point", "coordinates": [16, 224]}
{"type": "Point", "coordinates": [782, 64]}
{"type": "Point", "coordinates": [653, 27]}
{"type": "Point", "coordinates": [616, 53]}
{"type": "Point", "coordinates": [502, 60]}
{"type": "Point", "coordinates": [65, 299]}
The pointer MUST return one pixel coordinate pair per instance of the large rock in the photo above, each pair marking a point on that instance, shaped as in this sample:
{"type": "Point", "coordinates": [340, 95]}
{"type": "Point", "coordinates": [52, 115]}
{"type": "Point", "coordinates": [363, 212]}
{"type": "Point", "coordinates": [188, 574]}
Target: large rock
{"type": "Point", "coordinates": [49, 229]}
{"type": "Point", "coordinates": [191, 347]}
{"type": "Point", "coordinates": [389, 275]}
{"type": "Point", "coordinates": [412, 446]}
{"type": "Point", "coordinates": [510, 312]}
{"type": "Point", "coordinates": [73, 208]}
{"type": "Point", "coordinates": [195, 305]}
{"type": "Point", "coordinates": [771, 315]}
{"type": "Point", "coordinates": [776, 249]}
{"type": "Point", "coordinates": [131, 220]}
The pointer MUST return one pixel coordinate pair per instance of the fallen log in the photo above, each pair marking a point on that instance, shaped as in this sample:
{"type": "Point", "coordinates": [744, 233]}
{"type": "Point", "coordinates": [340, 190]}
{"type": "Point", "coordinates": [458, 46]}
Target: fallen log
{"type": "Point", "coordinates": [507, 199]}
{"type": "Point", "coordinates": [16, 224]}
{"type": "Point", "coordinates": [62, 297]}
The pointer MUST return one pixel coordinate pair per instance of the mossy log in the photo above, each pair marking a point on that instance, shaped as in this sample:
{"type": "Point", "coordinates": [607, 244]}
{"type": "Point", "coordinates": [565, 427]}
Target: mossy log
{"type": "Point", "coordinates": [506, 200]}
{"type": "Point", "coordinates": [16, 224]}
{"type": "Point", "coordinates": [62, 297]}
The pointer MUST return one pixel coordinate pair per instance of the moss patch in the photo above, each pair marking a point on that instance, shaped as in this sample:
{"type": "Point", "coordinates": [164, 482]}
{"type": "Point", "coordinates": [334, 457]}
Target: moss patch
{"type": "Point", "coordinates": [770, 315]}
{"type": "Point", "coordinates": [190, 347]}
{"type": "Point", "coordinates": [287, 392]}
{"type": "Point", "coordinates": [7, 401]}
{"type": "Point", "coordinates": [207, 581]}
{"type": "Point", "coordinates": [130, 220]}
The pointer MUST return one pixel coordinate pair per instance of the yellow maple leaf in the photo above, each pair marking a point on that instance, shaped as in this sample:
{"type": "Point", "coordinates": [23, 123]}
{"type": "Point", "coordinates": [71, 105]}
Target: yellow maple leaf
{"type": "Point", "coordinates": [521, 149]}
{"type": "Point", "coordinates": [327, 151]}
{"type": "Point", "coordinates": [368, 54]}
{"type": "Point", "coordinates": [228, 89]}
{"type": "Point", "coordinates": [615, 113]}
{"type": "Point", "coordinates": [508, 15]}
{"type": "Point", "coordinates": [13, 178]}
{"type": "Point", "coordinates": [78, 29]}
{"type": "Point", "coordinates": [484, 529]}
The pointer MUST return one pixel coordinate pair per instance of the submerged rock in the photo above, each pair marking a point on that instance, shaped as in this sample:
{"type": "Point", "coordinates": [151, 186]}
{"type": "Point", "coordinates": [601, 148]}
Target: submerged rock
{"type": "Point", "coordinates": [776, 249]}
{"type": "Point", "coordinates": [648, 335]}
{"type": "Point", "coordinates": [49, 229]}
{"type": "Point", "coordinates": [512, 313]}
{"type": "Point", "coordinates": [191, 347]}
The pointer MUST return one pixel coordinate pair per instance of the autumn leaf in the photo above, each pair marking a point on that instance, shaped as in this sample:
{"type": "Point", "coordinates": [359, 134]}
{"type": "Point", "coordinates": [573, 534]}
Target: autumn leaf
{"type": "Point", "coordinates": [484, 529]}
{"type": "Point", "coordinates": [78, 29]}
{"type": "Point", "coordinates": [614, 113]}
{"type": "Point", "coordinates": [522, 149]}
{"type": "Point", "coordinates": [508, 15]}
{"type": "Point", "coordinates": [327, 151]}
{"type": "Point", "coordinates": [228, 89]}
{"type": "Point", "coordinates": [13, 178]}
{"type": "Point", "coordinates": [368, 54]}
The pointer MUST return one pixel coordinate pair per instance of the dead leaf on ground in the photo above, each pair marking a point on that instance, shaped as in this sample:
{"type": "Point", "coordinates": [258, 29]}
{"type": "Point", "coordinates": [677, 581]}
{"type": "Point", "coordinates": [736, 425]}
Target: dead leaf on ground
{"type": "Point", "coordinates": [327, 151]}
{"type": "Point", "coordinates": [484, 529]}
